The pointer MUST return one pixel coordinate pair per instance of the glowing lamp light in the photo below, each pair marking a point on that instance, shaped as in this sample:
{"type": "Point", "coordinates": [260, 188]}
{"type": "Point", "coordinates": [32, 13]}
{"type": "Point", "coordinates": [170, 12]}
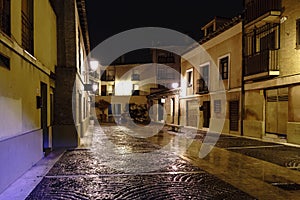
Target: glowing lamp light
{"type": "Point", "coordinates": [95, 87]}
{"type": "Point", "coordinates": [175, 85]}
{"type": "Point", "coordinates": [94, 65]}
{"type": "Point", "coordinates": [162, 100]}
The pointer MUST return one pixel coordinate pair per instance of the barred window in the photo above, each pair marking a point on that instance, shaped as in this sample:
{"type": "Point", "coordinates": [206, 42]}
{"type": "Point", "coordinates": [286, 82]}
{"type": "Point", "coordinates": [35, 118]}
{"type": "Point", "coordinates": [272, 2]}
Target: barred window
{"type": "Point", "coordinates": [27, 25]}
{"type": "Point", "coordinates": [5, 16]}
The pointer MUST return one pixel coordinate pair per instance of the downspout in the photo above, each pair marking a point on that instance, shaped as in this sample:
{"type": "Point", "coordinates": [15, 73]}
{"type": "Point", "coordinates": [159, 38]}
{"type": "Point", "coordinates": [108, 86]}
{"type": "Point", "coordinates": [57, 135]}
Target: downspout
{"type": "Point", "coordinates": [243, 71]}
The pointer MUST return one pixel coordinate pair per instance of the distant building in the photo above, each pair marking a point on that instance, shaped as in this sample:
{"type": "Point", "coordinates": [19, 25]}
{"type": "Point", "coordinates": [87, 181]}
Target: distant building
{"type": "Point", "coordinates": [28, 56]}
{"type": "Point", "coordinates": [165, 93]}
{"type": "Point", "coordinates": [125, 84]}
{"type": "Point", "coordinates": [121, 85]}
{"type": "Point", "coordinates": [271, 69]}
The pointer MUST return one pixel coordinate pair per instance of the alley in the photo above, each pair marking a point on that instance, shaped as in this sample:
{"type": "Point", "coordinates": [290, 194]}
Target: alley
{"type": "Point", "coordinates": [133, 168]}
{"type": "Point", "coordinates": [116, 164]}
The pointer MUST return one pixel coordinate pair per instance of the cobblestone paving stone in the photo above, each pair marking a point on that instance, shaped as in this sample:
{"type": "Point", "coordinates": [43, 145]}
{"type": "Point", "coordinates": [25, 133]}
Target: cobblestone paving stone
{"type": "Point", "coordinates": [92, 174]}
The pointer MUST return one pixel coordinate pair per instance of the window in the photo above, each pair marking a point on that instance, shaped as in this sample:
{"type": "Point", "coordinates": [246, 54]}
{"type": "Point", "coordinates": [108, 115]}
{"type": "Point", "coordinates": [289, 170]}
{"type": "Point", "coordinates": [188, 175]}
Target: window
{"type": "Point", "coordinates": [204, 73]}
{"type": "Point", "coordinates": [79, 51]}
{"type": "Point", "coordinates": [298, 34]}
{"type": "Point", "coordinates": [262, 39]}
{"type": "Point", "coordinates": [107, 75]}
{"type": "Point", "coordinates": [4, 62]}
{"type": "Point", "coordinates": [223, 65]}
{"type": "Point", "coordinates": [210, 29]}
{"type": "Point", "coordinates": [135, 75]}
{"type": "Point", "coordinates": [27, 25]}
{"type": "Point", "coordinates": [84, 108]}
{"type": "Point", "coordinates": [189, 77]}
{"type": "Point", "coordinates": [165, 73]}
{"type": "Point", "coordinates": [114, 109]}
{"type": "Point", "coordinates": [5, 16]}
{"type": "Point", "coordinates": [217, 106]}
{"type": "Point", "coordinates": [135, 90]}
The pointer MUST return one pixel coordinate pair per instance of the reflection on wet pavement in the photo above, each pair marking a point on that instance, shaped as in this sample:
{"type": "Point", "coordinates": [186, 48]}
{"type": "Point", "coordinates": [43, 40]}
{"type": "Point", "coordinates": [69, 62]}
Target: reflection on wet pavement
{"type": "Point", "coordinates": [120, 165]}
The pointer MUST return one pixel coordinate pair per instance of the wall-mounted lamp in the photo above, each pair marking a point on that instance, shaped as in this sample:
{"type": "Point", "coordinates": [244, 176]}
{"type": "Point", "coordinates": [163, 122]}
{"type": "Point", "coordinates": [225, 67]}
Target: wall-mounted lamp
{"type": "Point", "coordinates": [94, 64]}
{"type": "Point", "coordinates": [90, 87]}
{"type": "Point", "coordinates": [94, 87]}
{"type": "Point", "coordinates": [162, 100]}
{"type": "Point", "coordinates": [283, 19]}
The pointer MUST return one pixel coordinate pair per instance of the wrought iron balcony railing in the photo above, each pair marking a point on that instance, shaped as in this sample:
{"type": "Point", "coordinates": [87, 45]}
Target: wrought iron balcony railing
{"type": "Point", "coordinates": [107, 78]}
{"type": "Point", "coordinates": [260, 62]}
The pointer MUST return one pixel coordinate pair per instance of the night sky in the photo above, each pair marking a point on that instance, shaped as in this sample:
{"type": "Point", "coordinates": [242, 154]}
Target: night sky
{"type": "Point", "coordinates": [107, 18]}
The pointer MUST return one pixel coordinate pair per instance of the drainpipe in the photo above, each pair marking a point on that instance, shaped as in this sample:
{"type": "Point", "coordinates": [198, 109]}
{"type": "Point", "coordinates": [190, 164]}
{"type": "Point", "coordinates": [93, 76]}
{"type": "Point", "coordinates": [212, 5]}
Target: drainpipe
{"type": "Point", "coordinates": [243, 71]}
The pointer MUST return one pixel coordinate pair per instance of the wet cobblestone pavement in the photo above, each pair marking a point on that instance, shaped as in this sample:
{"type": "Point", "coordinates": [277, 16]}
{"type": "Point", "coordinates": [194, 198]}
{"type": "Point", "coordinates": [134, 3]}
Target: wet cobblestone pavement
{"type": "Point", "coordinates": [121, 166]}
{"type": "Point", "coordinates": [286, 156]}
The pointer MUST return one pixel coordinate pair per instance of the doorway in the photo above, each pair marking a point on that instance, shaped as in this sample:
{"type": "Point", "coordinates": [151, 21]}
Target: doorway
{"type": "Point", "coordinates": [277, 111]}
{"type": "Point", "coordinates": [44, 113]}
{"type": "Point", "coordinates": [234, 115]}
{"type": "Point", "coordinates": [206, 114]}
{"type": "Point", "coordinates": [172, 105]}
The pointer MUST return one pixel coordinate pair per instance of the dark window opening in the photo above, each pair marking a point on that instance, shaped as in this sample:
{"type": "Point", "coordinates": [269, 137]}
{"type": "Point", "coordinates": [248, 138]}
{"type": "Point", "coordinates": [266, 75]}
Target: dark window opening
{"type": "Point", "coordinates": [190, 78]}
{"type": "Point", "coordinates": [27, 25]}
{"type": "Point", "coordinates": [298, 34]}
{"type": "Point", "coordinates": [4, 62]}
{"type": "Point", "coordinates": [5, 16]}
{"type": "Point", "coordinates": [224, 67]}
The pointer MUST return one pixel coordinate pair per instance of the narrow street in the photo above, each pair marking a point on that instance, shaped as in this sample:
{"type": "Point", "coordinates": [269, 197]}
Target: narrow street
{"type": "Point", "coordinates": [116, 164]}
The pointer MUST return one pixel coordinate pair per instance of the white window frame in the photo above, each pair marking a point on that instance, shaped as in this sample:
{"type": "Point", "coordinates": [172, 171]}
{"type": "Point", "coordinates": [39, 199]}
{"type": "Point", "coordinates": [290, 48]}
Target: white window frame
{"type": "Point", "coordinates": [190, 82]}
{"type": "Point", "coordinates": [204, 65]}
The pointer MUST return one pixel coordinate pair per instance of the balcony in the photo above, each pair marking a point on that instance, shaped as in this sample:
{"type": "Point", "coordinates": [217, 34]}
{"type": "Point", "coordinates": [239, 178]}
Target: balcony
{"type": "Point", "coordinates": [107, 78]}
{"type": "Point", "coordinates": [258, 11]}
{"type": "Point", "coordinates": [202, 87]}
{"type": "Point", "coordinates": [261, 65]}
{"type": "Point", "coordinates": [94, 75]}
{"type": "Point", "coordinates": [135, 77]}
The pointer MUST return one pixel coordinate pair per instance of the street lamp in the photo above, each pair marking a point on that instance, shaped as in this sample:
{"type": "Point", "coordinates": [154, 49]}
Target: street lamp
{"type": "Point", "coordinates": [175, 85]}
{"type": "Point", "coordinates": [94, 87]}
{"type": "Point", "coordinates": [94, 64]}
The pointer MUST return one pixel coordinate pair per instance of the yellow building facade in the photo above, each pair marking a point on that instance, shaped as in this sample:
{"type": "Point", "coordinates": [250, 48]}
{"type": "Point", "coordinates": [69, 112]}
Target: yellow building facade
{"type": "Point", "coordinates": [271, 73]}
{"type": "Point", "coordinates": [28, 56]}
